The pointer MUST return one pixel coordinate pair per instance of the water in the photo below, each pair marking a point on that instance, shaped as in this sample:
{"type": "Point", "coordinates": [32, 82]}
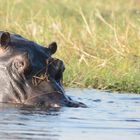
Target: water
{"type": "Point", "coordinates": [109, 116]}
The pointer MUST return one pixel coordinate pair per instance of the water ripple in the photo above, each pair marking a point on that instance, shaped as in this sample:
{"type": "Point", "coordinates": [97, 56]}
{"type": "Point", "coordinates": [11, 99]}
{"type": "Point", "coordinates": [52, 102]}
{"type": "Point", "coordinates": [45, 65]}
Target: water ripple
{"type": "Point", "coordinates": [109, 116]}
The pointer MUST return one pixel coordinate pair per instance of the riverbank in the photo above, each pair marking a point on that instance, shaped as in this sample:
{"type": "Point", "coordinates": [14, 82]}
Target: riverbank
{"type": "Point", "coordinates": [99, 41]}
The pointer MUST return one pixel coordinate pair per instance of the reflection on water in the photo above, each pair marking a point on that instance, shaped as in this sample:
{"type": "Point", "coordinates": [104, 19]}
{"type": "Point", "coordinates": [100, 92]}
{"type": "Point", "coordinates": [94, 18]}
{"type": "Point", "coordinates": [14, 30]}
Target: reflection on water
{"type": "Point", "coordinates": [109, 116]}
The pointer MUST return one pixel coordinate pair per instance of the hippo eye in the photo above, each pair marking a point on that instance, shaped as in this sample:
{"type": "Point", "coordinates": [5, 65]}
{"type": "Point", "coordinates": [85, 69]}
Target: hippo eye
{"type": "Point", "coordinates": [18, 65]}
{"type": "Point", "coordinates": [21, 63]}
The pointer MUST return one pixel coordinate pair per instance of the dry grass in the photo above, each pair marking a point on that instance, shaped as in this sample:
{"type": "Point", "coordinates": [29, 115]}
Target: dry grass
{"type": "Point", "coordinates": [99, 41]}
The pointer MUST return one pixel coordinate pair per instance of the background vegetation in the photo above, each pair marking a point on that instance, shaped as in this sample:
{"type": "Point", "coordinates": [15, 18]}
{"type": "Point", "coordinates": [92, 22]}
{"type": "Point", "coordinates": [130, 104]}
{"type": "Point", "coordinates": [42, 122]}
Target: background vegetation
{"type": "Point", "coordinates": [99, 40]}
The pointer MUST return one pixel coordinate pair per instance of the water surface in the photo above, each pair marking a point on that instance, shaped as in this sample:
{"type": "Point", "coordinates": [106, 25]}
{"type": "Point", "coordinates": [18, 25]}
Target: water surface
{"type": "Point", "coordinates": [109, 116]}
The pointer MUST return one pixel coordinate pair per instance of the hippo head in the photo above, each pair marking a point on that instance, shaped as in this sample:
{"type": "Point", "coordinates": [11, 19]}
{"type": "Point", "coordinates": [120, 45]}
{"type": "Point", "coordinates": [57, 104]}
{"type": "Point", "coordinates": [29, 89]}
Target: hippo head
{"type": "Point", "coordinates": [28, 73]}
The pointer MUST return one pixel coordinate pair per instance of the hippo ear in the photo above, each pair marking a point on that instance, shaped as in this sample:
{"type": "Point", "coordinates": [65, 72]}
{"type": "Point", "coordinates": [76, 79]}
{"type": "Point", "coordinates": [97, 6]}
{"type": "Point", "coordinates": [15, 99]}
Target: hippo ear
{"type": "Point", "coordinates": [53, 47]}
{"type": "Point", "coordinates": [5, 39]}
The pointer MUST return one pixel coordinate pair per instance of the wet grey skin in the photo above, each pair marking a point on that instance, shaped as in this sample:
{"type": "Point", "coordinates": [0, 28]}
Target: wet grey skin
{"type": "Point", "coordinates": [29, 75]}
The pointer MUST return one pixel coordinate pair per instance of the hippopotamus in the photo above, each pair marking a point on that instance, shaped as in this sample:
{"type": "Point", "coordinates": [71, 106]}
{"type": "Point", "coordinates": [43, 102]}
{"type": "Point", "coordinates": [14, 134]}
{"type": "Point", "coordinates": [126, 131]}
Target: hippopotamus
{"type": "Point", "coordinates": [29, 75]}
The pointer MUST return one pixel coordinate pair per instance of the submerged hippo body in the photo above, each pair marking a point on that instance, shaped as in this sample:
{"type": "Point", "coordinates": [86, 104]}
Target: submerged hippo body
{"type": "Point", "coordinates": [29, 75]}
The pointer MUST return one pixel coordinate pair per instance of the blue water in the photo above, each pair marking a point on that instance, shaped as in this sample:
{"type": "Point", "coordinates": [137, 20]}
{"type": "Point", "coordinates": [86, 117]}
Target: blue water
{"type": "Point", "coordinates": [109, 116]}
